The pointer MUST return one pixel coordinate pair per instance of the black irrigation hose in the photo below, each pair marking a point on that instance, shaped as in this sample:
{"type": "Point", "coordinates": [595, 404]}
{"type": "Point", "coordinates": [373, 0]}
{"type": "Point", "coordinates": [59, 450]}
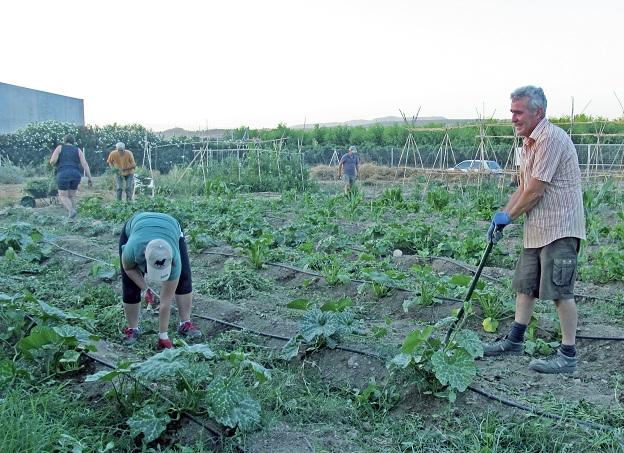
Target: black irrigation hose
{"type": "Point", "coordinates": [449, 260]}
{"type": "Point", "coordinates": [216, 436]}
{"type": "Point", "coordinates": [78, 254]}
{"type": "Point", "coordinates": [241, 328]}
{"type": "Point", "coordinates": [477, 390]}
{"type": "Point", "coordinates": [516, 405]}
{"type": "Point", "coordinates": [316, 274]}
{"type": "Point", "coordinates": [474, 389]}
{"type": "Point", "coordinates": [279, 337]}
{"type": "Point", "coordinates": [590, 337]}
{"type": "Point", "coordinates": [449, 299]}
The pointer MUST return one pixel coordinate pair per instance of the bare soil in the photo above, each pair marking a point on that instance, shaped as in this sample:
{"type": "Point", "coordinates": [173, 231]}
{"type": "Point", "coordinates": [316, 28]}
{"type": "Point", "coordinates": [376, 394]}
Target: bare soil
{"type": "Point", "coordinates": [600, 361]}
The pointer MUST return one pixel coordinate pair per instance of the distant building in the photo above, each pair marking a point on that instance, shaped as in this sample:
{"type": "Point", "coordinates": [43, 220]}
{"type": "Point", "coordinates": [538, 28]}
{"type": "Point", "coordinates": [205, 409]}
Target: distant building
{"type": "Point", "coordinates": [20, 106]}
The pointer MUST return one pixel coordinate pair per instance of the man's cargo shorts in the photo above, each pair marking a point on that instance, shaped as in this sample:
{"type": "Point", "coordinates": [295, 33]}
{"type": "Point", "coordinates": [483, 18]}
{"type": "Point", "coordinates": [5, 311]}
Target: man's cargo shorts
{"type": "Point", "coordinates": [548, 272]}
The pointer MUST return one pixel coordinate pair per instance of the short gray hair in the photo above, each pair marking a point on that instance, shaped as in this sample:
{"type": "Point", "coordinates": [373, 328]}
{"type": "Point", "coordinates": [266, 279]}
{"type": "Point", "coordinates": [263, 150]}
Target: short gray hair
{"type": "Point", "coordinates": [535, 94]}
{"type": "Point", "coordinates": [120, 145]}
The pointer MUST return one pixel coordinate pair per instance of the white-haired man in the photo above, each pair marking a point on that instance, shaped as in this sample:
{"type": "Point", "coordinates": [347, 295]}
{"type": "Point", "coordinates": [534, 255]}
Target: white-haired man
{"type": "Point", "coordinates": [122, 161]}
{"type": "Point", "coordinates": [551, 199]}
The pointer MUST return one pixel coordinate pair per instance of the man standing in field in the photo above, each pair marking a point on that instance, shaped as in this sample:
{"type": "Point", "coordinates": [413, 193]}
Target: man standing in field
{"type": "Point", "coordinates": [351, 164]}
{"type": "Point", "coordinates": [122, 162]}
{"type": "Point", "coordinates": [152, 249]}
{"type": "Point", "coordinates": [551, 199]}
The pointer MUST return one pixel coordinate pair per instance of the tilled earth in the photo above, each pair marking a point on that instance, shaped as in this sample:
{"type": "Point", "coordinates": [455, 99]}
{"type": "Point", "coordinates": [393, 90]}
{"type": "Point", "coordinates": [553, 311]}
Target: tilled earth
{"type": "Point", "coordinates": [598, 381]}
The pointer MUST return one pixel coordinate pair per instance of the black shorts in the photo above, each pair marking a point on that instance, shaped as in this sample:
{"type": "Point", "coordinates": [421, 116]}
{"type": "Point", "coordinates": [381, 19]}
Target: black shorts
{"type": "Point", "coordinates": [548, 272]}
{"type": "Point", "coordinates": [68, 181]}
{"type": "Point", "coordinates": [132, 293]}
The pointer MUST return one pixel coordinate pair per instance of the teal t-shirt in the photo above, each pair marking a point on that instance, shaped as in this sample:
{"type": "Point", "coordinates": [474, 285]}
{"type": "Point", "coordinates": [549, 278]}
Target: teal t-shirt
{"type": "Point", "coordinates": [146, 226]}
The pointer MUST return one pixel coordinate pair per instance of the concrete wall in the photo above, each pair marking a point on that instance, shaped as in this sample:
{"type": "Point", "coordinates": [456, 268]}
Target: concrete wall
{"type": "Point", "coordinates": [20, 106]}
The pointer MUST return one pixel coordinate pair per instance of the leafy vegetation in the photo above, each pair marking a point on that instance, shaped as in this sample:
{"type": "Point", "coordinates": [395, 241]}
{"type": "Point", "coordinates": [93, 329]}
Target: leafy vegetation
{"type": "Point", "coordinates": [56, 306]}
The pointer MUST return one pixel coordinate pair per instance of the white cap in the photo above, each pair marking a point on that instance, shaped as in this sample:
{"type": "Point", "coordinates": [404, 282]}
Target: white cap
{"type": "Point", "coordinates": [353, 148]}
{"type": "Point", "coordinates": [158, 257]}
{"type": "Point", "coordinates": [120, 145]}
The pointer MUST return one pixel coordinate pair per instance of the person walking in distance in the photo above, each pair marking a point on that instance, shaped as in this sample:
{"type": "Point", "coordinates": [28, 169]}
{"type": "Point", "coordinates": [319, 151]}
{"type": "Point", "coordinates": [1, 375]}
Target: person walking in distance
{"type": "Point", "coordinates": [121, 160]}
{"type": "Point", "coordinates": [350, 162]}
{"type": "Point", "coordinates": [70, 163]}
{"type": "Point", "coordinates": [550, 197]}
{"type": "Point", "coordinates": [152, 249]}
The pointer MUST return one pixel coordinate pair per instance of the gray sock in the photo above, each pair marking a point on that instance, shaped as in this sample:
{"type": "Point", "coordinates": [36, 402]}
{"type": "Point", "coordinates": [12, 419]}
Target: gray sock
{"type": "Point", "coordinates": [516, 334]}
{"type": "Point", "coordinates": [568, 350]}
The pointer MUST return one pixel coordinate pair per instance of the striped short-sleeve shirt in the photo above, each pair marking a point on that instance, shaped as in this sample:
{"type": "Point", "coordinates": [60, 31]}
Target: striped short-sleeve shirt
{"type": "Point", "coordinates": [549, 155]}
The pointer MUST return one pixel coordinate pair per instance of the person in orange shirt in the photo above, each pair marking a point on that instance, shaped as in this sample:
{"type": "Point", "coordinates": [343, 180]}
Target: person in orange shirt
{"type": "Point", "coordinates": [122, 161]}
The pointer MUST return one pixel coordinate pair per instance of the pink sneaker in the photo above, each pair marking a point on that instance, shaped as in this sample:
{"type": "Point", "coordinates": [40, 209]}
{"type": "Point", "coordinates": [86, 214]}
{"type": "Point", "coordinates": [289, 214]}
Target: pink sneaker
{"type": "Point", "coordinates": [189, 331]}
{"type": "Point", "coordinates": [131, 336]}
{"type": "Point", "coordinates": [164, 344]}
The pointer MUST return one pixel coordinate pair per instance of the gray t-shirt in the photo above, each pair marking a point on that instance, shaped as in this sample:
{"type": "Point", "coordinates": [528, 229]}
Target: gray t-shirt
{"type": "Point", "coordinates": [349, 164]}
{"type": "Point", "coordinates": [145, 226]}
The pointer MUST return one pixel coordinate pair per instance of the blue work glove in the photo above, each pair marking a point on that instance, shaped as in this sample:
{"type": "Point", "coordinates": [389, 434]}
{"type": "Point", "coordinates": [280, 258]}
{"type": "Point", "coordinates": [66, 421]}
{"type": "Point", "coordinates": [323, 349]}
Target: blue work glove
{"type": "Point", "coordinates": [499, 221]}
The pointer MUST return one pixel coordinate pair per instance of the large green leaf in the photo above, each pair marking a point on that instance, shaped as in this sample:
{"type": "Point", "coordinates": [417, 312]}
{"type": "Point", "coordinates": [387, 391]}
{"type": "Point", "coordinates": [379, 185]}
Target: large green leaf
{"type": "Point", "coordinates": [75, 332]}
{"type": "Point", "coordinates": [318, 324]}
{"type": "Point", "coordinates": [39, 337]}
{"type": "Point", "coordinates": [70, 357]}
{"type": "Point", "coordinates": [149, 422]}
{"type": "Point", "coordinates": [14, 322]}
{"type": "Point", "coordinates": [337, 305]}
{"type": "Point", "coordinates": [299, 304]}
{"type": "Point", "coordinates": [470, 341]}
{"type": "Point", "coordinates": [162, 365]}
{"type": "Point", "coordinates": [55, 313]}
{"type": "Point", "coordinates": [291, 349]}
{"type": "Point", "coordinates": [415, 339]}
{"type": "Point", "coordinates": [201, 349]}
{"type": "Point", "coordinates": [401, 360]}
{"type": "Point", "coordinates": [104, 375]}
{"type": "Point", "coordinates": [230, 403]}
{"type": "Point", "coordinates": [381, 278]}
{"type": "Point", "coordinates": [465, 280]}
{"type": "Point", "coordinates": [261, 373]}
{"type": "Point", "coordinates": [10, 371]}
{"type": "Point", "coordinates": [455, 368]}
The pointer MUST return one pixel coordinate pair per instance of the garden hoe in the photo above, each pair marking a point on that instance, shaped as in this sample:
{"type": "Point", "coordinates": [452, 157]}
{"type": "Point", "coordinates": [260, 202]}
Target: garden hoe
{"type": "Point", "coordinates": [498, 233]}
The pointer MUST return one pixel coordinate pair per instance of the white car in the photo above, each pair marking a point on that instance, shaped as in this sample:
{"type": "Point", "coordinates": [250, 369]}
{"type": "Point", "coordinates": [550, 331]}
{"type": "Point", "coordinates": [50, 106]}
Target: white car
{"type": "Point", "coordinates": [486, 166]}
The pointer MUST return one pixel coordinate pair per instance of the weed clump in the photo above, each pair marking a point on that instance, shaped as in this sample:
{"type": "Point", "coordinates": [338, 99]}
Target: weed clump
{"type": "Point", "coordinates": [236, 281]}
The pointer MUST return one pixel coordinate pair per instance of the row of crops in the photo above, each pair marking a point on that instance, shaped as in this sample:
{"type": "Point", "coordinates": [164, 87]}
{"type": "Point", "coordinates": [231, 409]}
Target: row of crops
{"type": "Point", "coordinates": [345, 246]}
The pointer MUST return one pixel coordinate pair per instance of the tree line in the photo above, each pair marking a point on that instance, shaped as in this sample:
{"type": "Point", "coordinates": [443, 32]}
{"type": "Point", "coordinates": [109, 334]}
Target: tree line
{"type": "Point", "coordinates": [382, 143]}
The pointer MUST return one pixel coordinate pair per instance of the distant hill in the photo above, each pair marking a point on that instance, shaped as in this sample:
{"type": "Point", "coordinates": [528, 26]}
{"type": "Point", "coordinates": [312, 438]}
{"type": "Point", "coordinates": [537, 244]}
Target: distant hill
{"type": "Point", "coordinates": [387, 120]}
{"type": "Point", "coordinates": [179, 132]}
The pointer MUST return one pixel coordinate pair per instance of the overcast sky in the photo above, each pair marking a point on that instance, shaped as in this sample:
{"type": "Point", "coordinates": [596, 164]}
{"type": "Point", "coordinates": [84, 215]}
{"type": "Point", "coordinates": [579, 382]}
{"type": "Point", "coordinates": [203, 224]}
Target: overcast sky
{"type": "Point", "coordinates": [208, 64]}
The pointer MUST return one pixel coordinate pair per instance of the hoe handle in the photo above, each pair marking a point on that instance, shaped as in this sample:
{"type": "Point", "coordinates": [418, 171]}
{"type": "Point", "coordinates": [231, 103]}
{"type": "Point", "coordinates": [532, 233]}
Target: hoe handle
{"type": "Point", "coordinates": [472, 287]}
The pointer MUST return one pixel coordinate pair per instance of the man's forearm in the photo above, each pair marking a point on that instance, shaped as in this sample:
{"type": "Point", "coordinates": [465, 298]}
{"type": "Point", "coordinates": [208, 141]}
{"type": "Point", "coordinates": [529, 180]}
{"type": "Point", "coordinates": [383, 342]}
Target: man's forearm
{"type": "Point", "coordinates": [524, 203]}
{"type": "Point", "coordinates": [512, 200]}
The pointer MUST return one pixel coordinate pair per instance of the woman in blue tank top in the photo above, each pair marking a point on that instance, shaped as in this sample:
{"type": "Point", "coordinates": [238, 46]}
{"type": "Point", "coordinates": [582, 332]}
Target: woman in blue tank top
{"type": "Point", "coordinates": [68, 160]}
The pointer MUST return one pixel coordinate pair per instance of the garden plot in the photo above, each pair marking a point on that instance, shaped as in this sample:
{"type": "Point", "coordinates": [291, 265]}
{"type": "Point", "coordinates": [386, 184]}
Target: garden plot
{"type": "Point", "coordinates": [267, 265]}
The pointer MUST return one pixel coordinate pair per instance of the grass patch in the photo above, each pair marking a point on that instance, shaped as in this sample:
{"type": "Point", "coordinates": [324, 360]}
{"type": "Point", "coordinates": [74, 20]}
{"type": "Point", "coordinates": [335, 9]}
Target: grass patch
{"type": "Point", "coordinates": [54, 419]}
